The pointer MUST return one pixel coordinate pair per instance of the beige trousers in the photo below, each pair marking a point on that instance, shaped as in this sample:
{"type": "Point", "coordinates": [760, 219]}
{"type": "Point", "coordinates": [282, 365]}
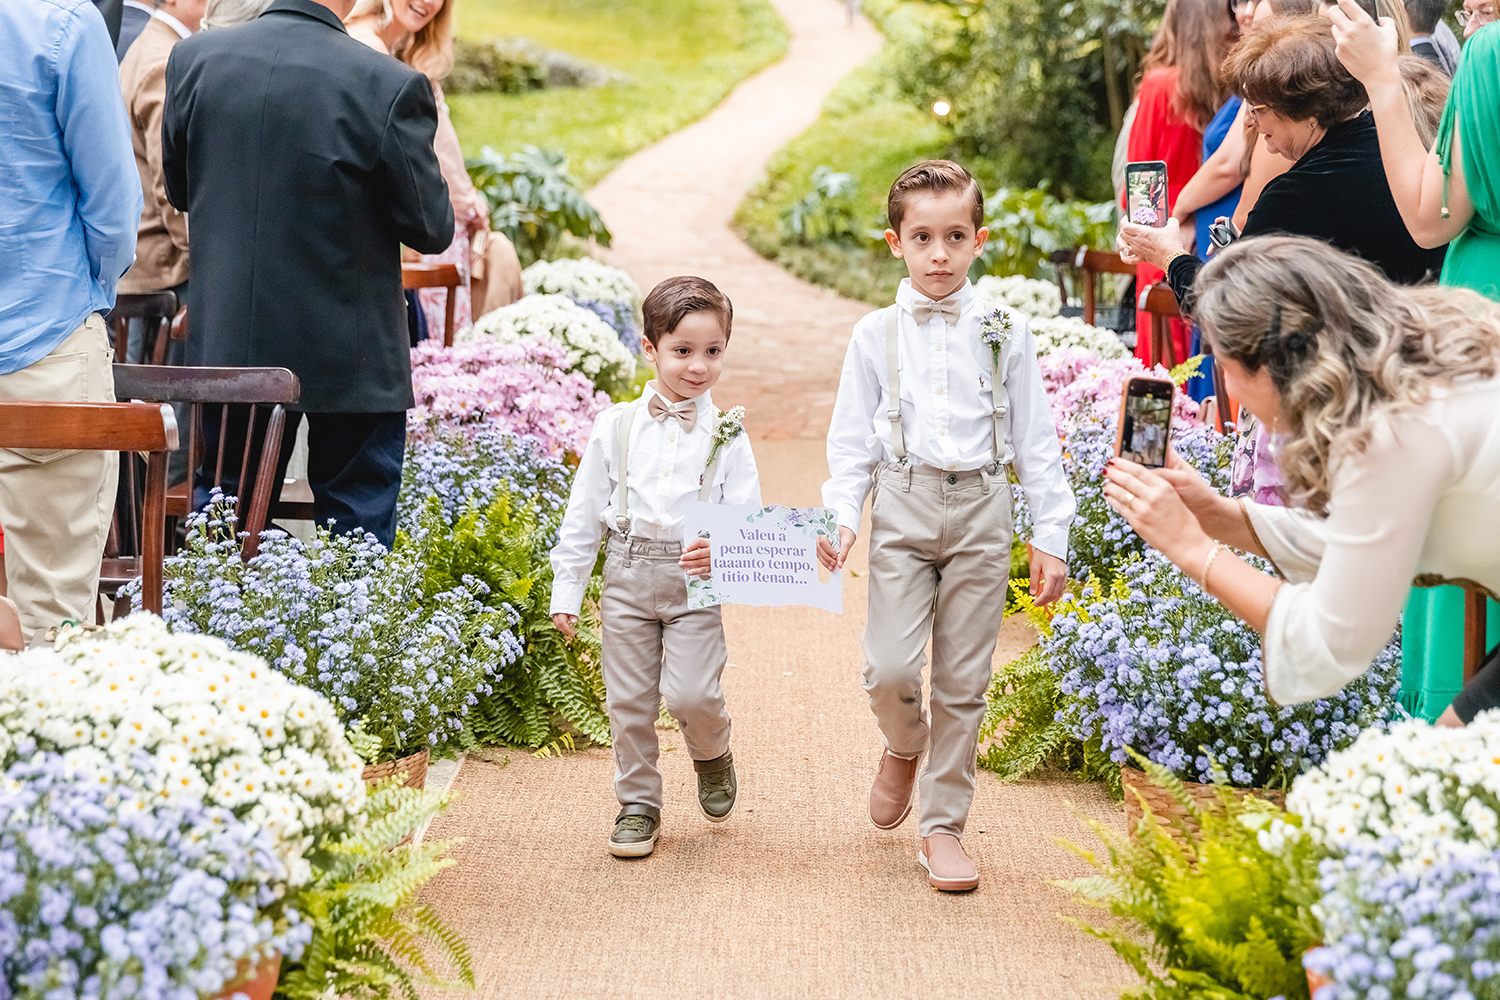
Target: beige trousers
{"type": "Point", "coordinates": [656, 650]}
{"type": "Point", "coordinates": [939, 566]}
{"type": "Point", "coordinates": [55, 506]}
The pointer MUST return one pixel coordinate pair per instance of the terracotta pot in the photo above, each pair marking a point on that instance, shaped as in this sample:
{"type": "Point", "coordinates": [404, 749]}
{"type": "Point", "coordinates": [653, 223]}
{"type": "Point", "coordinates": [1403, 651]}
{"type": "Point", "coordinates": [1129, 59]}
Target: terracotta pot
{"type": "Point", "coordinates": [256, 983]}
{"type": "Point", "coordinates": [414, 766]}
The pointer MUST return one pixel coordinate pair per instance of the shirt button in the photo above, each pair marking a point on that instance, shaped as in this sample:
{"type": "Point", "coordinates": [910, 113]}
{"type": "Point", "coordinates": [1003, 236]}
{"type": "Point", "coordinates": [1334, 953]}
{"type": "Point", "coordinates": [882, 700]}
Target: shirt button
{"type": "Point", "coordinates": [943, 432]}
{"type": "Point", "coordinates": [665, 473]}
{"type": "Point", "coordinates": [673, 439]}
{"type": "Point", "coordinates": [939, 390]}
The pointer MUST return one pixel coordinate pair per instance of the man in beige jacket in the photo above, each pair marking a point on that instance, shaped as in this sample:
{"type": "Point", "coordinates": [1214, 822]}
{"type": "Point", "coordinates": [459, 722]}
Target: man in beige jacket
{"type": "Point", "coordinates": [161, 255]}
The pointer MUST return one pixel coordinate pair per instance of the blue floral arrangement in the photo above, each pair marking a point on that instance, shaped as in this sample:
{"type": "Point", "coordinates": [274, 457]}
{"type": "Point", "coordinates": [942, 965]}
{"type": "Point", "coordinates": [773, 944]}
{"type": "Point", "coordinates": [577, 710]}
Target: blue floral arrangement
{"type": "Point", "coordinates": [107, 891]}
{"type": "Point", "coordinates": [1154, 664]}
{"type": "Point", "coordinates": [351, 620]}
{"type": "Point", "coordinates": [459, 467]}
{"type": "Point", "coordinates": [1432, 932]}
{"type": "Point", "coordinates": [1100, 540]}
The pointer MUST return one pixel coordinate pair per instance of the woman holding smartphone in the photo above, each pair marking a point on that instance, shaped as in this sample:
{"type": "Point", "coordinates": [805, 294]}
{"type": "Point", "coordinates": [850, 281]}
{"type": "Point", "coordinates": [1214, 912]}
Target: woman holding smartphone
{"type": "Point", "coordinates": [1385, 403]}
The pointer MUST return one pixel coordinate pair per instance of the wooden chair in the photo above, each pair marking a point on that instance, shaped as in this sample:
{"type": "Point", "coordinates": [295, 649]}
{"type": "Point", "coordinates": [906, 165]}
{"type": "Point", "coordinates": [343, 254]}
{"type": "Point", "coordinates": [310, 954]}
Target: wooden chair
{"type": "Point", "coordinates": [156, 311]}
{"type": "Point", "coordinates": [1091, 264]}
{"type": "Point", "coordinates": [1476, 645]}
{"type": "Point", "coordinates": [418, 275]}
{"type": "Point", "coordinates": [130, 427]}
{"type": "Point", "coordinates": [257, 388]}
{"type": "Point", "coordinates": [1158, 300]}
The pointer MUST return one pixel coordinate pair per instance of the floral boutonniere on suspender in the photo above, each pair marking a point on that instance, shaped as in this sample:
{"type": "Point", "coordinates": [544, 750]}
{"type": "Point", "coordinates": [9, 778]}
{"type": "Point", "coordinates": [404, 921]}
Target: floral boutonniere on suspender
{"type": "Point", "coordinates": [729, 426]}
{"type": "Point", "coordinates": [995, 329]}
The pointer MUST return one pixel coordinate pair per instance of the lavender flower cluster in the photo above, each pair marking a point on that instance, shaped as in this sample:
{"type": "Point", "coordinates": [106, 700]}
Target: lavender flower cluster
{"type": "Point", "coordinates": [351, 620]}
{"type": "Point", "coordinates": [1100, 540]}
{"type": "Point", "coordinates": [1154, 664]}
{"type": "Point", "coordinates": [1432, 932]}
{"type": "Point", "coordinates": [108, 892]}
{"type": "Point", "coordinates": [460, 468]}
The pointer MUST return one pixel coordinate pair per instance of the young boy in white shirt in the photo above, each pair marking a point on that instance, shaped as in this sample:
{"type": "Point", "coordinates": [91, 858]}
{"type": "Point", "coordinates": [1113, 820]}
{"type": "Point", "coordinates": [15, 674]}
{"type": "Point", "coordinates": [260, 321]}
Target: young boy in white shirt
{"type": "Point", "coordinates": [664, 449]}
{"type": "Point", "coordinates": [941, 520]}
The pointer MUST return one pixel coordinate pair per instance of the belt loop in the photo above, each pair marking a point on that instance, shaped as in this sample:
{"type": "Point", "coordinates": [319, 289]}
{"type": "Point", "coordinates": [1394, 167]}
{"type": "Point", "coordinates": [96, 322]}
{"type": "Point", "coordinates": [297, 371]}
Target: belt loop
{"type": "Point", "coordinates": [906, 477]}
{"type": "Point", "coordinates": [625, 541]}
{"type": "Point", "coordinates": [984, 481]}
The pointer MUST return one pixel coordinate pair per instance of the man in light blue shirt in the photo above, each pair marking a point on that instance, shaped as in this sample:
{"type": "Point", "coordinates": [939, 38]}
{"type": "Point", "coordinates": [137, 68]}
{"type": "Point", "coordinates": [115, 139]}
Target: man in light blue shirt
{"type": "Point", "coordinates": [70, 203]}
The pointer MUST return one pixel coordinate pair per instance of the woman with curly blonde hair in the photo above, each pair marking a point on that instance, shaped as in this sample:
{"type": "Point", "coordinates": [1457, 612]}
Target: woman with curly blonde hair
{"type": "Point", "coordinates": [1384, 405]}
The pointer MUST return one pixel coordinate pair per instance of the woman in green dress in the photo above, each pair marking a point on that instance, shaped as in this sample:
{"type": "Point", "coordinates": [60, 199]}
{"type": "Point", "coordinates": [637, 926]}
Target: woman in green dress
{"type": "Point", "coordinates": [1450, 194]}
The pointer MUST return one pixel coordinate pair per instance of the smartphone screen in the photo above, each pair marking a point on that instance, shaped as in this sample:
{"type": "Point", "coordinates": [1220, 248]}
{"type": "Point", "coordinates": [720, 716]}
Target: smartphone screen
{"type": "Point", "coordinates": [1146, 193]}
{"type": "Point", "coordinates": [1146, 421]}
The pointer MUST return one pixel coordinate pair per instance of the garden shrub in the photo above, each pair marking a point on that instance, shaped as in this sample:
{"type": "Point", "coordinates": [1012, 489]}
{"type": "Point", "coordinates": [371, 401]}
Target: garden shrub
{"type": "Point", "coordinates": [592, 347]}
{"type": "Point", "coordinates": [534, 200]}
{"type": "Point", "coordinates": [607, 292]}
{"type": "Point", "coordinates": [826, 211]}
{"type": "Point", "coordinates": [1027, 226]}
{"type": "Point", "coordinates": [1223, 912]}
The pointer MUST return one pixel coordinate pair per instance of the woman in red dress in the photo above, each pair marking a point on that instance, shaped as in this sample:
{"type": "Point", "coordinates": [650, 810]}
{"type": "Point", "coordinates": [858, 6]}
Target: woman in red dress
{"type": "Point", "coordinates": [1179, 94]}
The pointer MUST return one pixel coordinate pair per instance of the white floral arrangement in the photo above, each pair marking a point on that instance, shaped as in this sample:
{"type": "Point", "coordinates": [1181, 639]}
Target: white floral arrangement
{"type": "Point", "coordinates": [1419, 794]}
{"type": "Point", "coordinates": [608, 292]}
{"type": "Point", "coordinates": [727, 426]}
{"type": "Point", "coordinates": [592, 345]}
{"type": "Point", "coordinates": [1060, 332]}
{"type": "Point", "coordinates": [195, 724]}
{"type": "Point", "coordinates": [1028, 296]}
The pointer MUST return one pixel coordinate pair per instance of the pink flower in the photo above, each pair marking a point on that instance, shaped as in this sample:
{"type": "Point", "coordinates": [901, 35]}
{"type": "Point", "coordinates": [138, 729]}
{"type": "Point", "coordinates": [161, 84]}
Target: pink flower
{"type": "Point", "coordinates": [1085, 387]}
{"type": "Point", "coordinates": [523, 388]}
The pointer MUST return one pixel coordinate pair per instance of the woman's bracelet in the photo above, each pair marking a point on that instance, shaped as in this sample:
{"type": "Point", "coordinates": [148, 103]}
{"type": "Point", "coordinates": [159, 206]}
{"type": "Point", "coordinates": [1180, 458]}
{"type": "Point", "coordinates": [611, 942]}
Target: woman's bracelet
{"type": "Point", "coordinates": [1208, 565]}
{"type": "Point", "coordinates": [1167, 265]}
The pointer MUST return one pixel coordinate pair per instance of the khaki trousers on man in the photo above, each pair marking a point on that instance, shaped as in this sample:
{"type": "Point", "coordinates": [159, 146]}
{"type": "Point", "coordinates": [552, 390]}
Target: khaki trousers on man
{"type": "Point", "coordinates": [656, 650]}
{"type": "Point", "coordinates": [939, 565]}
{"type": "Point", "coordinates": [55, 506]}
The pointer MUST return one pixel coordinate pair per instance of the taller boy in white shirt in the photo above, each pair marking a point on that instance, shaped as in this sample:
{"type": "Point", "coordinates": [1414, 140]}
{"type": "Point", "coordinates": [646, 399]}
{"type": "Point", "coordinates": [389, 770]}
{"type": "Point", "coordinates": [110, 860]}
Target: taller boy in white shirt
{"type": "Point", "coordinates": [941, 520]}
{"type": "Point", "coordinates": [645, 460]}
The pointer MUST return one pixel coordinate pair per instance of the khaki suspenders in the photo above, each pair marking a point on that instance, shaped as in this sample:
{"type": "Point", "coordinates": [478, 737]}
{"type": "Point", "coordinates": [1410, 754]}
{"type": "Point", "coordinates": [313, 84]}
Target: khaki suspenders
{"type": "Point", "coordinates": [893, 391]}
{"type": "Point", "coordinates": [622, 464]}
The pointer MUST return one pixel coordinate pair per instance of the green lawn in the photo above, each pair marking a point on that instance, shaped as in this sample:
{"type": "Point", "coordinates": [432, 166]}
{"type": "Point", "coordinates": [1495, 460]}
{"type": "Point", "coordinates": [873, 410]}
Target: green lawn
{"type": "Point", "coordinates": [867, 130]}
{"type": "Point", "coordinates": [681, 57]}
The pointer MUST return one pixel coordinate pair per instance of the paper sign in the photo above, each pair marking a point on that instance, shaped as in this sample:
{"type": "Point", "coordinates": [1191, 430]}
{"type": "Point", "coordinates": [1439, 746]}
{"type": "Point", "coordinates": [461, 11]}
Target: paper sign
{"type": "Point", "coordinates": [765, 556]}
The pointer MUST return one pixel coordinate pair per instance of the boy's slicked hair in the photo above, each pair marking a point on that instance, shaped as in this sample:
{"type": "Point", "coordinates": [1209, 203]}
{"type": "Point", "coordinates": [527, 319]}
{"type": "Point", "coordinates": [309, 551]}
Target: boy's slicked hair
{"type": "Point", "coordinates": [674, 298]}
{"type": "Point", "coordinates": [936, 176]}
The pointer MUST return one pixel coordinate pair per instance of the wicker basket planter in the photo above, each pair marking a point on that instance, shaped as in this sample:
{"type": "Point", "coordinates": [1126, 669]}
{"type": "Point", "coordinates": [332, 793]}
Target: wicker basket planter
{"type": "Point", "coordinates": [1165, 808]}
{"type": "Point", "coordinates": [256, 984]}
{"type": "Point", "coordinates": [414, 766]}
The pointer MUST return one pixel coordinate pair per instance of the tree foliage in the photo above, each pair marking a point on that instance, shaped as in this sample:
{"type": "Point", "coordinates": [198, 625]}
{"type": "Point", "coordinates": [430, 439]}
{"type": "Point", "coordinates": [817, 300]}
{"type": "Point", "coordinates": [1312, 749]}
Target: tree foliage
{"type": "Point", "coordinates": [1036, 86]}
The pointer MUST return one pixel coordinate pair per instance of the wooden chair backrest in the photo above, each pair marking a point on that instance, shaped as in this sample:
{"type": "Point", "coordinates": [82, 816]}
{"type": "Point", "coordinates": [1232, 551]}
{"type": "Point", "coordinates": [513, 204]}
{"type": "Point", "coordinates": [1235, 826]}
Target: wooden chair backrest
{"type": "Point", "coordinates": [156, 309]}
{"type": "Point", "coordinates": [1091, 264]}
{"type": "Point", "coordinates": [135, 427]}
{"type": "Point", "coordinates": [1158, 300]}
{"type": "Point", "coordinates": [223, 387]}
{"type": "Point", "coordinates": [420, 275]}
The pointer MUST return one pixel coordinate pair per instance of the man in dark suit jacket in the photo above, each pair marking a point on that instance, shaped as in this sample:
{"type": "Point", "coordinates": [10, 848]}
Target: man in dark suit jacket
{"type": "Point", "coordinates": [304, 160]}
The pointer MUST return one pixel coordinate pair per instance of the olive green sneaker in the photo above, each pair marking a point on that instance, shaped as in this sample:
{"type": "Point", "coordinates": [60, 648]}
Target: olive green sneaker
{"type": "Point", "coordinates": [636, 830]}
{"type": "Point", "coordinates": [717, 787]}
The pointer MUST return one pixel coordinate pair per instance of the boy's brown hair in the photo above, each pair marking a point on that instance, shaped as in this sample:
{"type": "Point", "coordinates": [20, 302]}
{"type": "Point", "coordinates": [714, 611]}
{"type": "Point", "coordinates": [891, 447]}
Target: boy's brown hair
{"type": "Point", "coordinates": [935, 176]}
{"type": "Point", "coordinates": [674, 298]}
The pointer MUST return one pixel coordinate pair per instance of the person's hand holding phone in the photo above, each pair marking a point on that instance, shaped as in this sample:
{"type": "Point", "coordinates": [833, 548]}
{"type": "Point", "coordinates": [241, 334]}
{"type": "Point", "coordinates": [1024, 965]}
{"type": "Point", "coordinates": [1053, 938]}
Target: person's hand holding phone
{"type": "Point", "coordinates": [1151, 244]}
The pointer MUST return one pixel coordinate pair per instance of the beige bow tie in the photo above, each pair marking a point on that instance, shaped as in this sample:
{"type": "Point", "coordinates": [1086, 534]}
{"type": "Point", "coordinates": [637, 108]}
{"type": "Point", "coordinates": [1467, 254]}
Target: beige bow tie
{"type": "Point", "coordinates": [686, 412]}
{"type": "Point", "coordinates": [924, 309]}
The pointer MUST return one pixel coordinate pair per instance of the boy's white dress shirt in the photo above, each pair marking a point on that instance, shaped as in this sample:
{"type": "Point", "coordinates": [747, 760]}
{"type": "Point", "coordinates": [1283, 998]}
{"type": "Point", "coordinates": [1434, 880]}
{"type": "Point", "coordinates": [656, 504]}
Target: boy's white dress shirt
{"type": "Point", "coordinates": [946, 412]}
{"type": "Point", "coordinates": [666, 471]}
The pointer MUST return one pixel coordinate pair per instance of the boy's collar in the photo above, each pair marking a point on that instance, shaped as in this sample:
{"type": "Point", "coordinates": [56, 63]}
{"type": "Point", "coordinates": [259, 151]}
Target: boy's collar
{"type": "Point", "coordinates": [703, 400]}
{"type": "Point", "coordinates": [907, 295]}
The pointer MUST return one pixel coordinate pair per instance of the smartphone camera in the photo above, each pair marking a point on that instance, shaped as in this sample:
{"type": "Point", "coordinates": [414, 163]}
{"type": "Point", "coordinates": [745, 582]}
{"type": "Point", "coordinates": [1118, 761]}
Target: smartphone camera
{"type": "Point", "coordinates": [1146, 193]}
{"type": "Point", "coordinates": [1146, 421]}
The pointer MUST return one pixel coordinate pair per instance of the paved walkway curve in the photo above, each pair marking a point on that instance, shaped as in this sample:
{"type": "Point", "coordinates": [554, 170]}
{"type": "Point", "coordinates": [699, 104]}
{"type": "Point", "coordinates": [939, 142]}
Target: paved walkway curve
{"type": "Point", "coordinates": [798, 895]}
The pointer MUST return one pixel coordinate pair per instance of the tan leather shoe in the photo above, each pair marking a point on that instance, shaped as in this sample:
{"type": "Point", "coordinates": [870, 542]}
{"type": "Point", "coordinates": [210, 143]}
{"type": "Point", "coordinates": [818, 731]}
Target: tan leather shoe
{"type": "Point", "coordinates": [948, 865]}
{"type": "Point", "coordinates": [891, 795]}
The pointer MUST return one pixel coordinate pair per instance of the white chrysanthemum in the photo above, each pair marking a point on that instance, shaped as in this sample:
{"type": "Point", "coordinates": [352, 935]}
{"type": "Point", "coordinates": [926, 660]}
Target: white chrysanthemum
{"type": "Point", "coordinates": [1028, 296]}
{"type": "Point", "coordinates": [584, 280]}
{"type": "Point", "coordinates": [591, 344]}
{"type": "Point", "coordinates": [1059, 332]}
{"type": "Point", "coordinates": [193, 720]}
{"type": "Point", "coordinates": [1428, 790]}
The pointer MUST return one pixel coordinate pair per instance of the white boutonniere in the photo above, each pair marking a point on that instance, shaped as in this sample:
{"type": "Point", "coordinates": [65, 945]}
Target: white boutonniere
{"type": "Point", "coordinates": [729, 426]}
{"type": "Point", "coordinates": [995, 329]}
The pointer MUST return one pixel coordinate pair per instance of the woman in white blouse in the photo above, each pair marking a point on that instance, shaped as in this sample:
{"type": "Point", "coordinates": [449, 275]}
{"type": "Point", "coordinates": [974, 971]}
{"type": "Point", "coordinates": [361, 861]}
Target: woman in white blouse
{"type": "Point", "coordinates": [1384, 406]}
